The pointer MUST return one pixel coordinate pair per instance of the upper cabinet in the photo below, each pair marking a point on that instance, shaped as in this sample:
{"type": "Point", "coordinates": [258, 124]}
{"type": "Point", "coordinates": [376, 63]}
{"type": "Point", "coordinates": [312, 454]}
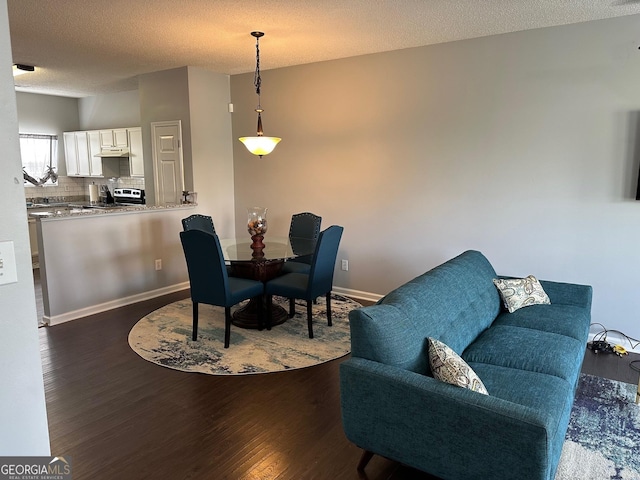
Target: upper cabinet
{"type": "Point", "coordinates": [116, 137]}
{"type": "Point", "coordinates": [95, 163]}
{"type": "Point", "coordinates": [70, 153]}
{"type": "Point", "coordinates": [81, 148]}
{"type": "Point", "coordinates": [136, 158]}
{"type": "Point", "coordinates": [79, 157]}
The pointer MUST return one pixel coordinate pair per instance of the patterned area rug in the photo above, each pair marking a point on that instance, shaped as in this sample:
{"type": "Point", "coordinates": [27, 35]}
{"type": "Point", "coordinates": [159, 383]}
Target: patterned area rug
{"type": "Point", "coordinates": [603, 439]}
{"type": "Point", "coordinates": [164, 337]}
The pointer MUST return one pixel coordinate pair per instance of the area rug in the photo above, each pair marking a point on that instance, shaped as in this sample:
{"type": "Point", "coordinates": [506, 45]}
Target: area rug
{"type": "Point", "coordinates": [603, 439]}
{"type": "Point", "coordinates": [164, 337]}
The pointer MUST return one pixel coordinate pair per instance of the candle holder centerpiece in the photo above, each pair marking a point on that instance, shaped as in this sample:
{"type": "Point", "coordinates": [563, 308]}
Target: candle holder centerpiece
{"type": "Point", "coordinates": [257, 226]}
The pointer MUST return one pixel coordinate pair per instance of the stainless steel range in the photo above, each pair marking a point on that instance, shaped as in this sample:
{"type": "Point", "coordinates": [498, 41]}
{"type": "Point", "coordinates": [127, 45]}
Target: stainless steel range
{"type": "Point", "coordinates": [128, 196]}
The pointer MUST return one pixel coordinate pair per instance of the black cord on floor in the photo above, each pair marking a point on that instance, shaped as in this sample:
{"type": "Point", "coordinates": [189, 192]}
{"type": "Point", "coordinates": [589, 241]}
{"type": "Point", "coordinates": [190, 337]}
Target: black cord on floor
{"type": "Point", "coordinates": [602, 336]}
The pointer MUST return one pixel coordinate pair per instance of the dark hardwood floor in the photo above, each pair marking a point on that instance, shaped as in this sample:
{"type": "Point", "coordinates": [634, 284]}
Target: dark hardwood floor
{"type": "Point", "coordinates": [120, 417]}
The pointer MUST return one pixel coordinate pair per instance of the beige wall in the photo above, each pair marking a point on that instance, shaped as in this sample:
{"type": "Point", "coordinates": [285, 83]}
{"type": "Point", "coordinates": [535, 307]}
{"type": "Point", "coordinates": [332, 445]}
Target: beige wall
{"type": "Point", "coordinates": [522, 146]}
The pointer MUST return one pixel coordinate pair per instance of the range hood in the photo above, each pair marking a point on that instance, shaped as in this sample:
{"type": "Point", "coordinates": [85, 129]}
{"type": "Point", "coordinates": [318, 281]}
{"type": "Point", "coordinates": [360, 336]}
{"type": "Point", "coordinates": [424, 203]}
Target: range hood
{"type": "Point", "coordinates": [113, 152]}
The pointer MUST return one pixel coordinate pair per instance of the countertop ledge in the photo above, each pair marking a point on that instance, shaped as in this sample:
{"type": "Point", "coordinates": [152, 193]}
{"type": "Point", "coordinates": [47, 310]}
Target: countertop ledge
{"type": "Point", "coordinates": [92, 212]}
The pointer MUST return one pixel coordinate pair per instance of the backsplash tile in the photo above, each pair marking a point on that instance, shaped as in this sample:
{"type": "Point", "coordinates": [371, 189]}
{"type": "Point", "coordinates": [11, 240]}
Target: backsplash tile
{"type": "Point", "coordinates": [73, 189]}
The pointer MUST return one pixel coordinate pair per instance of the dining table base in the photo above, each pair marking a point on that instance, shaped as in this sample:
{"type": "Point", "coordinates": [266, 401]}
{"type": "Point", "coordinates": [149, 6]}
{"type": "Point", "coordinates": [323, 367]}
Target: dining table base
{"type": "Point", "coordinates": [247, 316]}
{"type": "Point", "coordinates": [262, 270]}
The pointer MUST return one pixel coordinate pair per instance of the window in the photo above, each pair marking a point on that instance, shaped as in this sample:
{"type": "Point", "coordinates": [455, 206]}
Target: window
{"type": "Point", "coordinates": [39, 158]}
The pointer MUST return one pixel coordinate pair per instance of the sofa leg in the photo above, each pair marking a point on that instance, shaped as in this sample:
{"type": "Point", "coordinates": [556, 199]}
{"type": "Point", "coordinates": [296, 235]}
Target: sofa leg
{"type": "Point", "coordinates": [364, 460]}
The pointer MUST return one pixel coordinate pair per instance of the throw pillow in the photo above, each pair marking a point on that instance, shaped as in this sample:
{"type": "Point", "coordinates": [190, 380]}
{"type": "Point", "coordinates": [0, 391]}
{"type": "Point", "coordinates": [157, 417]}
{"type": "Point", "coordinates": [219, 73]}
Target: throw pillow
{"type": "Point", "coordinates": [447, 366]}
{"type": "Point", "coordinates": [521, 292]}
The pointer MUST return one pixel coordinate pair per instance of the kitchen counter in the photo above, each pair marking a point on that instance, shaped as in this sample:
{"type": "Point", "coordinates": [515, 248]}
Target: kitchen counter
{"type": "Point", "coordinates": [93, 259]}
{"type": "Point", "coordinates": [46, 205]}
{"type": "Point", "coordinates": [80, 210]}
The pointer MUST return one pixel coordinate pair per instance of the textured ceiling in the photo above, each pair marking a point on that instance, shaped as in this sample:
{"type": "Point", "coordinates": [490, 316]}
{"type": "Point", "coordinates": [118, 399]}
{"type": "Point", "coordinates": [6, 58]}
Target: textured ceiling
{"type": "Point", "coordinates": [89, 47]}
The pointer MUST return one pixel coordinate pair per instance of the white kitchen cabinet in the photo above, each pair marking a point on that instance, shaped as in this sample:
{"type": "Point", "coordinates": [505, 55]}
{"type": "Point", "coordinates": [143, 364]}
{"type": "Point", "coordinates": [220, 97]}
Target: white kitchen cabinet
{"type": "Point", "coordinates": [79, 155]}
{"type": "Point", "coordinates": [82, 150]}
{"type": "Point", "coordinates": [71, 153]}
{"type": "Point", "coordinates": [95, 163]}
{"type": "Point", "coordinates": [116, 137]}
{"type": "Point", "coordinates": [136, 157]}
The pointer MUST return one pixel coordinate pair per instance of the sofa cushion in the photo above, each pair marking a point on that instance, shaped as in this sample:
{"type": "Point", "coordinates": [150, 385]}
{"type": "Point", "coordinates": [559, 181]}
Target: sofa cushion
{"type": "Point", "coordinates": [521, 292]}
{"type": "Point", "coordinates": [447, 366]}
{"type": "Point", "coordinates": [538, 391]}
{"type": "Point", "coordinates": [528, 349]}
{"type": "Point", "coordinates": [524, 387]}
{"type": "Point", "coordinates": [569, 320]}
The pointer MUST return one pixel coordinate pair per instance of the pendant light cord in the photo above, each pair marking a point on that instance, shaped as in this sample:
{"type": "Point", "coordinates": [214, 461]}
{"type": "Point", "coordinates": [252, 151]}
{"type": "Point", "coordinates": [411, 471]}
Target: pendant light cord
{"type": "Point", "coordinates": [257, 81]}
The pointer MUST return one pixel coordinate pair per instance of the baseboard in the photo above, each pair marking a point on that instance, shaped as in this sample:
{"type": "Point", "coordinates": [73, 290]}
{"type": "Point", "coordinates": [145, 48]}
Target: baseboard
{"type": "Point", "coordinates": [616, 339]}
{"type": "Point", "coordinates": [357, 294]}
{"type": "Point", "coordinates": [120, 302]}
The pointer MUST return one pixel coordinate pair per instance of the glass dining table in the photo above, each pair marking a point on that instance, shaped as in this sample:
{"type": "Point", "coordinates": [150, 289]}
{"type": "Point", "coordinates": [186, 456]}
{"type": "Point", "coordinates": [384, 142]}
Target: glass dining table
{"type": "Point", "coordinates": [261, 264]}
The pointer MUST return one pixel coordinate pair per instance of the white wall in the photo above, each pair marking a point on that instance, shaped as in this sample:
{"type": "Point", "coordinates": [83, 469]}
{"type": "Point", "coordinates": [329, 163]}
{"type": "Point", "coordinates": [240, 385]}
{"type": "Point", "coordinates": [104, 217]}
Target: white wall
{"type": "Point", "coordinates": [50, 115]}
{"type": "Point", "coordinates": [523, 146]}
{"type": "Point", "coordinates": [211, 146]}
{"type": "Point", "coordinates": [164, 96]}
{"type": "Point", "coordinates": [113, 110]}
{"type": "Point", "coordinates": [23, 414]}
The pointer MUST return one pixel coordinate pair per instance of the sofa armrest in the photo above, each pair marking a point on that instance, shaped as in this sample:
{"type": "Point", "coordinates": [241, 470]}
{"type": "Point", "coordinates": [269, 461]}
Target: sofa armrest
{"type": "Point", "coordinates": [568, 293]}
{"type": "Point", "coordinates": [448, 431]}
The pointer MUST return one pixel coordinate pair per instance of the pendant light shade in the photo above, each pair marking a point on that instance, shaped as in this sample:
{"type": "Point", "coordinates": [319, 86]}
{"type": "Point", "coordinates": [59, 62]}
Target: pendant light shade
{"type": "Point", "coordinates": [19, 69]}
{"type": "Point", "coordinates": [259, 145]}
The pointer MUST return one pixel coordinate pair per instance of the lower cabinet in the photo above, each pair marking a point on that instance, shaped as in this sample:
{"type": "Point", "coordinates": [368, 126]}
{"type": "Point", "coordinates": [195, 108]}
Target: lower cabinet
{"type": "Point", "coordinates": [33, 239]}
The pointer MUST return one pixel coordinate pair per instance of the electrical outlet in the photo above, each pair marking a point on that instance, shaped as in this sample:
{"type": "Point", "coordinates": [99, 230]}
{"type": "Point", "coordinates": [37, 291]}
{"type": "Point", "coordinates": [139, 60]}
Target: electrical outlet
{"type": "Point", "coordinates": [158, 264]}
{"type": "Point", "coordinates": [345, 265]}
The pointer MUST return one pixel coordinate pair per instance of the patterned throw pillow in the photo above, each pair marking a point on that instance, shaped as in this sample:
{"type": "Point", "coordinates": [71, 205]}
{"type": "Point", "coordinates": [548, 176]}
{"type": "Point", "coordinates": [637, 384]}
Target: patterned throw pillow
{"type": "Point", "coordinates": [521, 292]}
{"type": "Point", "coordinates": [447, 366]}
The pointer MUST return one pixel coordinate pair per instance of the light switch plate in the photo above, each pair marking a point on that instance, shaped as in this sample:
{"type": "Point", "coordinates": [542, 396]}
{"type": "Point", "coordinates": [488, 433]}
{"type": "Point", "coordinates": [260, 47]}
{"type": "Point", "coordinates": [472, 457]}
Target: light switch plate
{"type": "Point", "coordinates": [8, 273]}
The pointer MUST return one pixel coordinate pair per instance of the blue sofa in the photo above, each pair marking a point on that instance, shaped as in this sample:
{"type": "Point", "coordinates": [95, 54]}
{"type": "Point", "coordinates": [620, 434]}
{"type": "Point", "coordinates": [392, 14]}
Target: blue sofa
{"type": "Point", "coordinates": [529, 361]}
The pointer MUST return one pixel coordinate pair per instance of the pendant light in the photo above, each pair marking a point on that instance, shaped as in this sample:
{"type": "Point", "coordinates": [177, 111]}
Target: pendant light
{"type": "Point", "coordinates": [259, 145]}
{"type": "Point", "coordinates": [19, 69]}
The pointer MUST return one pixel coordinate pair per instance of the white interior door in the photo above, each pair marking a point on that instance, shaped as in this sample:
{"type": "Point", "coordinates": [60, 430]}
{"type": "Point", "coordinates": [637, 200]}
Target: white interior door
{"type": "Point", "coordinates": [167, 161]}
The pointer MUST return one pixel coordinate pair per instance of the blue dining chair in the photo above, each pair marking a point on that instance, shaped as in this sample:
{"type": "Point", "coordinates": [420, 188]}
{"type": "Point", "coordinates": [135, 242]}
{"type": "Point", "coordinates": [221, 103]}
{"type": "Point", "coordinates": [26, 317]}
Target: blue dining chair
{"type": "Point", "coordinates": [210, 283]}
{"type": "Point", "coordinates": [304, 226]}
{"type": "Point", "coordinates": [198, 222]}
{"type": "Point", "coordinates": [319, 280]}
{"type": "Point", "coordinates": [204, 223]}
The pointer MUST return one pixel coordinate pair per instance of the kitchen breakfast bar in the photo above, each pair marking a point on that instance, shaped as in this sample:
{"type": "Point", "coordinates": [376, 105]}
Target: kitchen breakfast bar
{"type": "Point", "coordinates": [96, 260]}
